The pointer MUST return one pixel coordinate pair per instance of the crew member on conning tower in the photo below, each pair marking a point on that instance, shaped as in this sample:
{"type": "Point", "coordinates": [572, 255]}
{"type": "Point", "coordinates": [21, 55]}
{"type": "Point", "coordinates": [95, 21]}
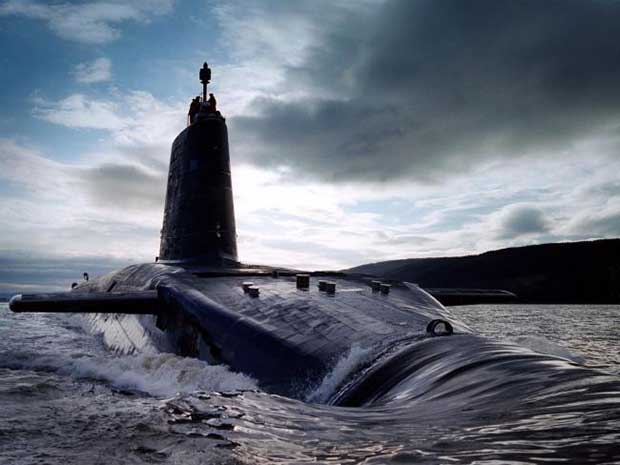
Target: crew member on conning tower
{"type": "Point", "coordinates": [211, 103]}
{"type": "Point", "coordinates": [194, 108]}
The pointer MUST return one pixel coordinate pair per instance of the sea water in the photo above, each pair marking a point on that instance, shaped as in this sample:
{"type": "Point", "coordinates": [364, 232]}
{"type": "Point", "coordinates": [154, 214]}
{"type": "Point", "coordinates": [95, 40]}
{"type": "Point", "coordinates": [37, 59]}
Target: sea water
{"type": "Point", "coordinates": [65, 399]}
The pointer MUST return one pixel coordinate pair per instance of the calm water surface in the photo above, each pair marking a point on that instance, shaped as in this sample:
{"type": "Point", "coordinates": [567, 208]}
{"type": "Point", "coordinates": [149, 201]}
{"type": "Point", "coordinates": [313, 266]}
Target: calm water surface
{"type": "Point", "coordinates": [64, 399]}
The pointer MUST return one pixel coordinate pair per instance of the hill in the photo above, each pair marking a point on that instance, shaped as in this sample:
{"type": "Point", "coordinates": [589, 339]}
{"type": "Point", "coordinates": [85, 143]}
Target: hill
{"type": "Point", "coordinates": [576, 272]}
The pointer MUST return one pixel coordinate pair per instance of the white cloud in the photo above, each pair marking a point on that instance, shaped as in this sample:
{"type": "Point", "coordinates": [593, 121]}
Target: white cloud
{"type": "Point", "coordinates": [134, 118]}
{"type": "Point", "coordinates": [113, 196]}
{"type": "Point", "coordinates": [99, 70]}
{"type": "Point", "coordinates": [80, 111]}
{"type": "Point", "coordinates": [91, 22]}
{"type": "Point", "coordinates": [112, 200]}
{"type": "Point", "coordinates": [109, 201]}
{"type": "Point", "coordinates": [48, 207]}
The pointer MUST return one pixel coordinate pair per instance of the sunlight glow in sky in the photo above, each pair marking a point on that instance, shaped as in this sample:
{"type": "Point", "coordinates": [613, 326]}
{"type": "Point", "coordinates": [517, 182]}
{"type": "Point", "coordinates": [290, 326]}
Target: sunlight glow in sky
{"type": "Point", "coordinates": [360, 131]}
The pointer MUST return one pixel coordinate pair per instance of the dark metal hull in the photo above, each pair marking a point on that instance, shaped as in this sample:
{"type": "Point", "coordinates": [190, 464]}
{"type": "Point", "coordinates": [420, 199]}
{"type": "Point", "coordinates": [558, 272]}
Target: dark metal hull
{"type": "Point", "coordinates": [287, 338]}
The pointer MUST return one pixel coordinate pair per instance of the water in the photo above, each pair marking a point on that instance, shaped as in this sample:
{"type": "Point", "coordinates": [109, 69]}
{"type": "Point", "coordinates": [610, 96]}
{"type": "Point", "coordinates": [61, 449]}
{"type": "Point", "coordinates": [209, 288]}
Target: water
{"type": "Point", "coordinates": [65, 399]}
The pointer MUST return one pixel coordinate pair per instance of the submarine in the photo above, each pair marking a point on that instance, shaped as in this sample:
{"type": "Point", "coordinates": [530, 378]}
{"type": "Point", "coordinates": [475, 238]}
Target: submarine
{"type": "Point", "coordinates": [285, 328]}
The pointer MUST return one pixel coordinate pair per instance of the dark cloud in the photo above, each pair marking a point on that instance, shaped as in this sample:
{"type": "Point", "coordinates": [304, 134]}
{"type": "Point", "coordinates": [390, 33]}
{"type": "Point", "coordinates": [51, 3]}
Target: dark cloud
{"type": "Point", "coordinates": [129, 186]}
{"type": "Point", "coordinates": [522, 221]}
{"type": "Point", "coordinates": [427, 88]}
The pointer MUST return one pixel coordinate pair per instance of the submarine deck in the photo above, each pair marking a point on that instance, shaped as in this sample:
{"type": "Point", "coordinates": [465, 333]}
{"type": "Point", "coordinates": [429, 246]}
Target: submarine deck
{"type": "Point", "coordinates": [287, 333]}
{"type": "Point", "coordinates": [319, 321]}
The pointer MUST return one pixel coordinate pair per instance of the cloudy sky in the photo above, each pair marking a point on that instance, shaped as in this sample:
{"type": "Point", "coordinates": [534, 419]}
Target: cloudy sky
{"type": "Point", "coordinates": [360, 131]}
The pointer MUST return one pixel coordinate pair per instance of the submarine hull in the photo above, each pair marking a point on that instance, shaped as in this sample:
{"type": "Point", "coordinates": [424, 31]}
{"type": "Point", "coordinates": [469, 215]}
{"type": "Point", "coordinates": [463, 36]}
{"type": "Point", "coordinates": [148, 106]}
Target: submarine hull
{"type": "Point", "coordinates": [287, 338]}
{"type": "Point", "coordinates": [290, 340]}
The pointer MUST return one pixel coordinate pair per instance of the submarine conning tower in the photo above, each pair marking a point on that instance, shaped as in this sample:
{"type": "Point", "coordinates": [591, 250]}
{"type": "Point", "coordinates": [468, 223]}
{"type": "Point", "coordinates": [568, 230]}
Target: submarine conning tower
{"type": "Point", "coordinates": [199, 218]}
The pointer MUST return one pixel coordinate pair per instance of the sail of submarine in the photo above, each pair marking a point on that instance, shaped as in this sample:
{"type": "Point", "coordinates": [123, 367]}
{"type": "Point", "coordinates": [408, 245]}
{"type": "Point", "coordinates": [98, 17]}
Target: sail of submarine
{"type": "Point", "coordinates": [284, 328]}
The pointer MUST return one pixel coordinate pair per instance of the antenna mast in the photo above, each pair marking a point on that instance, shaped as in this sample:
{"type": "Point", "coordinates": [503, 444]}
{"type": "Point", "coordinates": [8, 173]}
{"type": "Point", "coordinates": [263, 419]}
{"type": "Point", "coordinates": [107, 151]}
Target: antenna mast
{"type": "Point", "coordinates": [205, 78]}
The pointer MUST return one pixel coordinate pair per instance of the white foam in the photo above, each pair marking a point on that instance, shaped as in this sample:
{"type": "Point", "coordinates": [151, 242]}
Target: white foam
{"type": "Point", "coordinates": [345, 366]}
{"type": "Point", "coordinates": [545, 346]}
{"type": "Point", "coordinates": [76, 353]}
{"type": "Point", "coordinates": [156, 374]}
{"type": "Point", "coordinates": [163, 374]}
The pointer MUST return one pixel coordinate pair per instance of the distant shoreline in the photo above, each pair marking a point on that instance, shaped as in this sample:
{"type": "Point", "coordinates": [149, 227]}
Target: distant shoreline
{"type": "Point", "coordinates": [585, 272]}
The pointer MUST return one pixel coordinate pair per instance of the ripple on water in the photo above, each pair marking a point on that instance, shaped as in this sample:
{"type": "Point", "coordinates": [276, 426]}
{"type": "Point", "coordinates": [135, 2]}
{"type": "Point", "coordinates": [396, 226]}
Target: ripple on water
{"type": "Point", "coordinates": [65, 400]}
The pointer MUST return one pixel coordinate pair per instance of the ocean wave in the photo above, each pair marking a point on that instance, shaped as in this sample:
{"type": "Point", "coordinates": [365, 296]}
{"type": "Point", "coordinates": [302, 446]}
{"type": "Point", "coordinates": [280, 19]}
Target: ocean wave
{"type": "Point", "coordinates": [347, 364]}
{"type": "Point", "coordinates": [544, 346]}
{"type": "Point", "coordinates": [154, 374]}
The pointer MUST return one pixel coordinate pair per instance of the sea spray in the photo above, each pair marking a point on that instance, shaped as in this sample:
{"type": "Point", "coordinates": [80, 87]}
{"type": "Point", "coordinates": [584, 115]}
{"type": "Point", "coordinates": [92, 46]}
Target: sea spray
{"type": "Point", "coordinates": [347, 364]}
{"type": "Point", "coordinates": [154, 374]}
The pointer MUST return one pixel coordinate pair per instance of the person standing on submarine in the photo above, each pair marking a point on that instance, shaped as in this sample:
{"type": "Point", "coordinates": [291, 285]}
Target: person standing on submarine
{"type": "Point", "coordinates": [194, 108]}
{"type": "Point", "coordinates": [211, 104]}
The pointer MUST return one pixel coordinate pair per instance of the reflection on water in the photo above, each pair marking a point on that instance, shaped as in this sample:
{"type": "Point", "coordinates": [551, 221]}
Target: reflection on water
{"type": "Point", "coordinates": [585, 333]}
{"type": "Point", "coordinates": [268, 429]}
{"type": "Point", "coordinates": [487, 413]}
{"type": "Point", "coordinates": [509, 411]}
